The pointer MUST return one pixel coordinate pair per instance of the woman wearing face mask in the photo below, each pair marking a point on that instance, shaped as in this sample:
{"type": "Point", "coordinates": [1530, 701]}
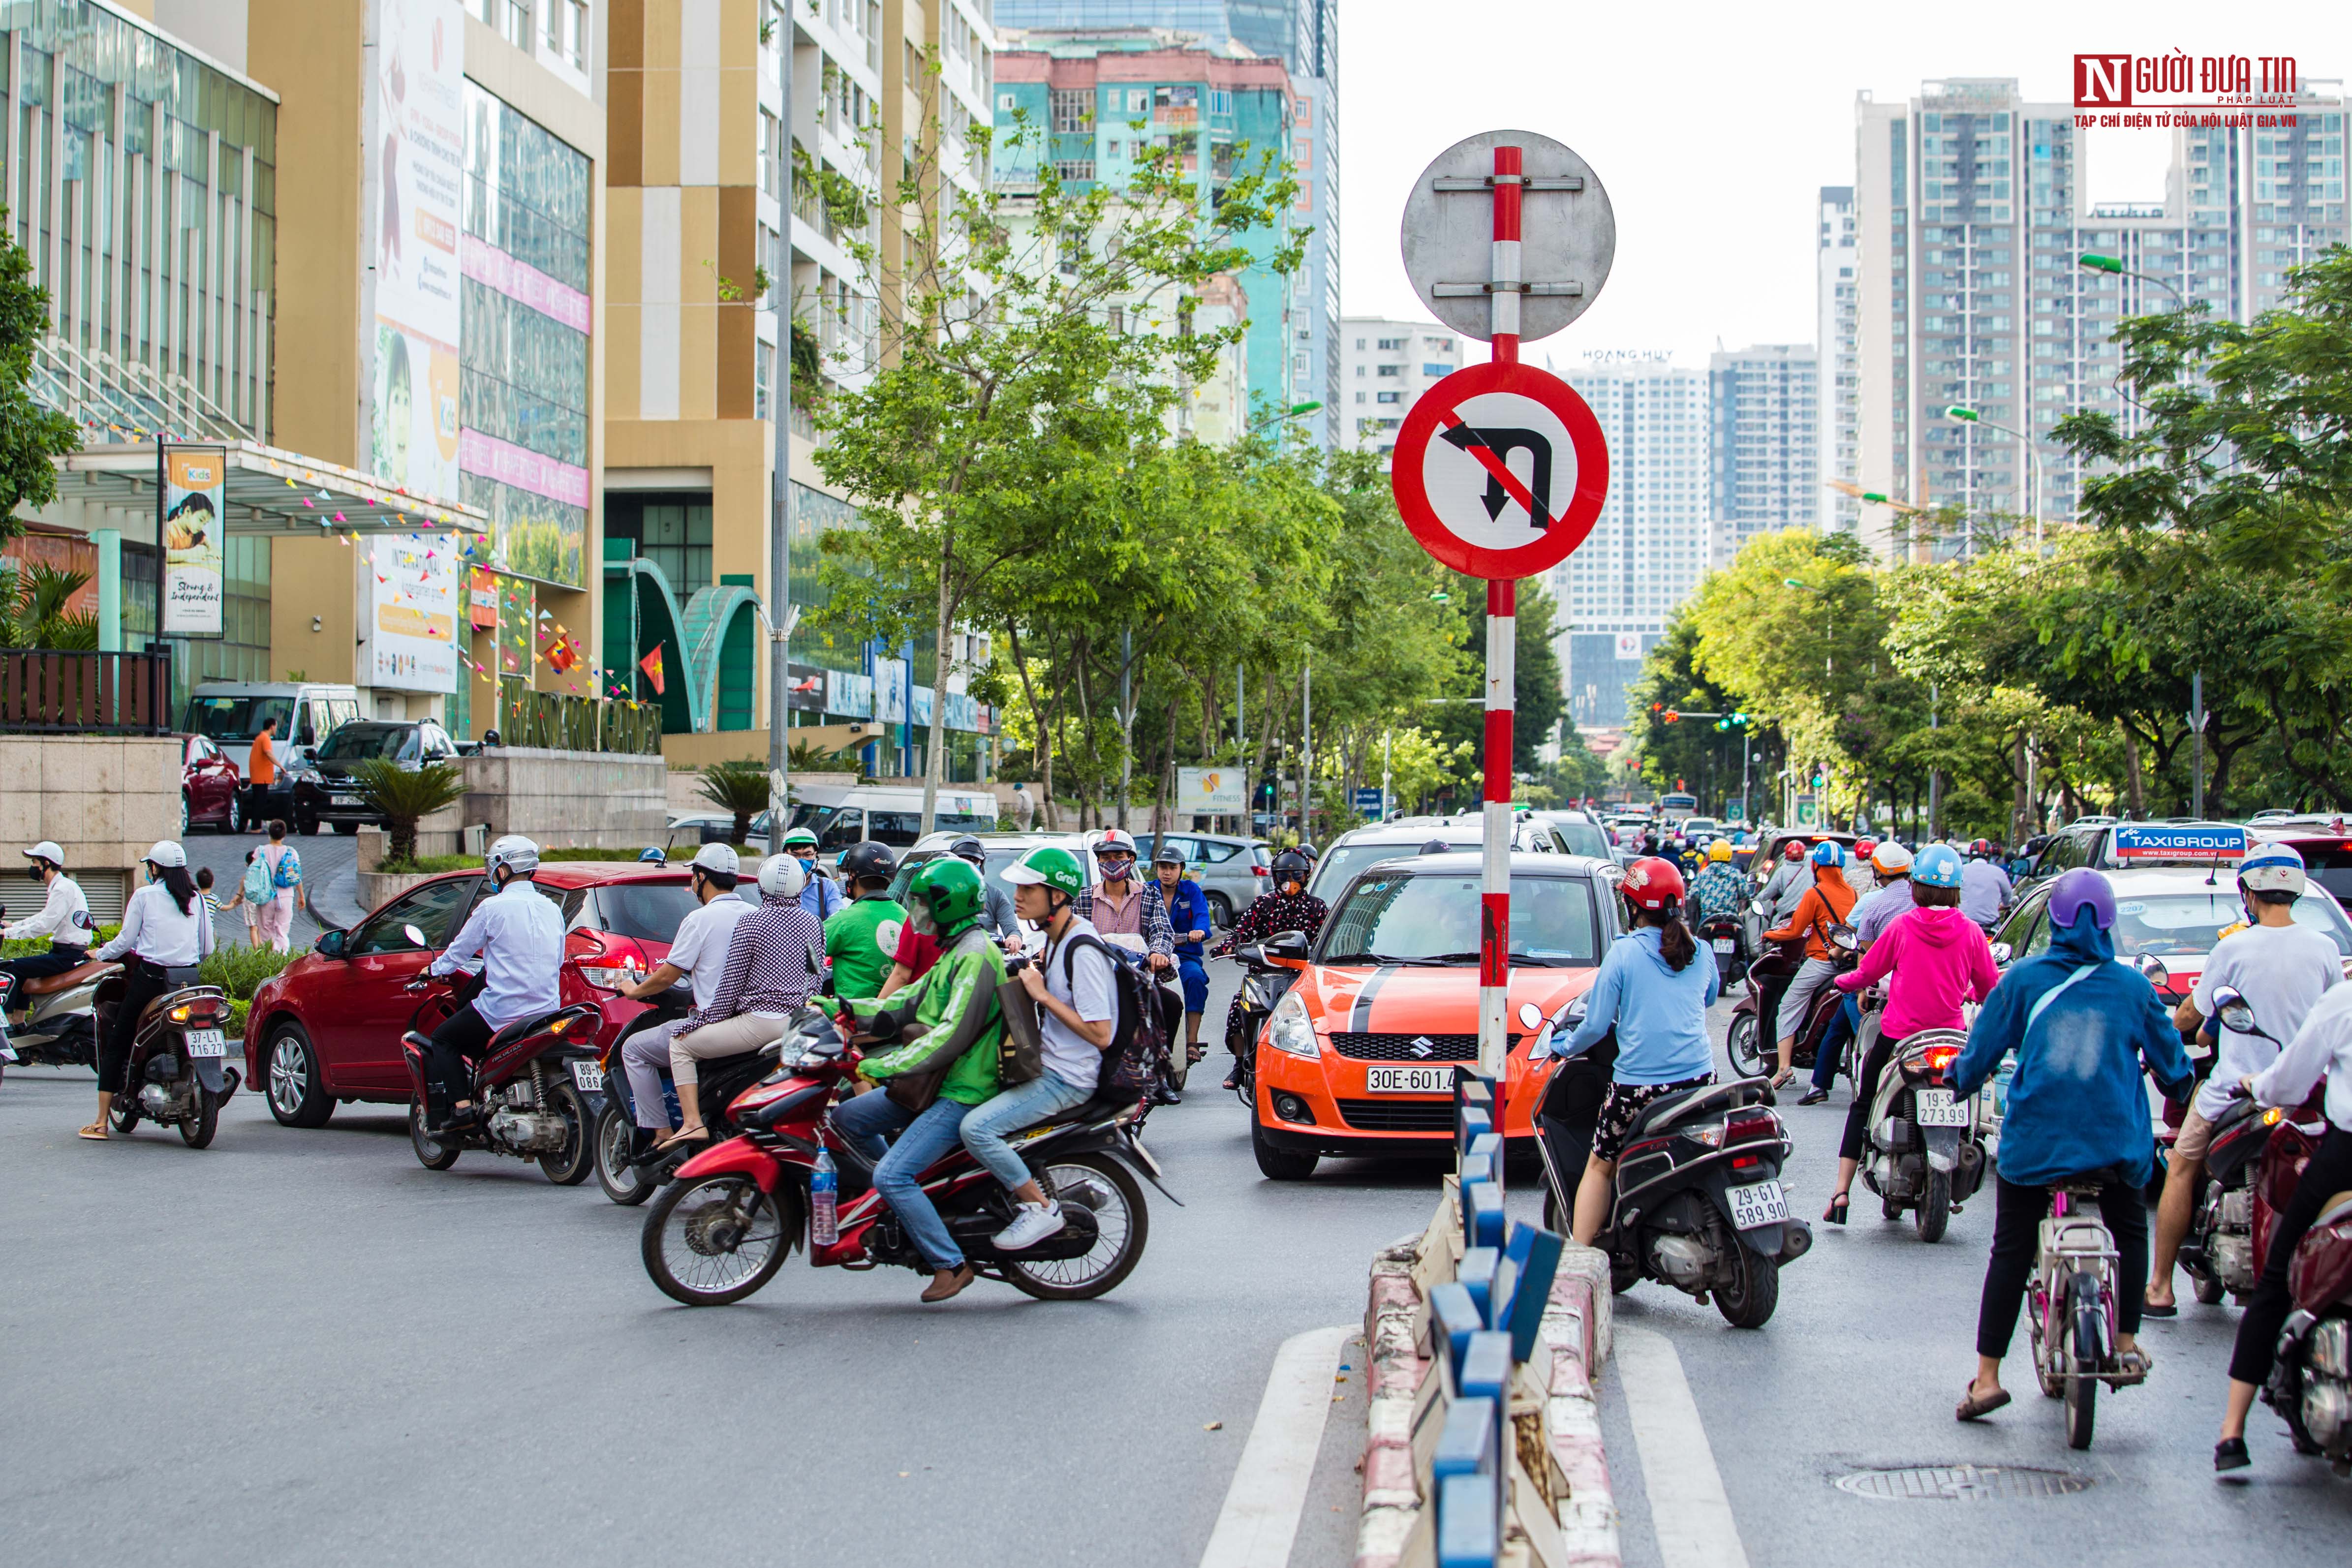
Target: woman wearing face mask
{"type": "Point", "coordinates": [1287, 908]}
{"type": "Point", "coordinates": [164, 928]}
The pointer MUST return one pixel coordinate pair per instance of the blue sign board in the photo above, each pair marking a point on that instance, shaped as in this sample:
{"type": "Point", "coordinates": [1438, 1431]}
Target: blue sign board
{"type": "Point", "coordinates": [2137, 843]}
{"type": "Point", "coordinates": [1371, 802]}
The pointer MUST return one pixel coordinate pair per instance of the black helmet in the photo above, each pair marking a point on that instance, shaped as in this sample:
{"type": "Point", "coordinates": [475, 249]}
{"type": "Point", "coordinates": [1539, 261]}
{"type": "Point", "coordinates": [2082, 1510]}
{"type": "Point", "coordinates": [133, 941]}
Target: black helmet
{"type": "Point", "coordinates": [1311, 851]}
{"type": "Point", "coordinates": [1290, 865]}
{"type": "Point", "coordinates": [871, 859]}
{"type": "Point", "coordinates": [1435, 847]}
{"type": "Point", "coordinates": [969, 848]}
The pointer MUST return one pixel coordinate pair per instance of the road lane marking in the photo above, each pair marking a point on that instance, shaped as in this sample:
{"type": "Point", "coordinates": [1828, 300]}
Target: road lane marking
{"type": "Point", "coordinates": [1688, 1510]}
{"type": "Point", "coordinates": [1260, 1519]}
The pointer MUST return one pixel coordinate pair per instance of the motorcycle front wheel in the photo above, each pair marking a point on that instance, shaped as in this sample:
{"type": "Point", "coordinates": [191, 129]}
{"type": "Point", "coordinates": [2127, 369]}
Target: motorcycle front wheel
{"type": "Point", "coordinates": [431, 1152]}
{"type": "Point", "coordinates": [1741, 1046]}
{"type": "Point", "coordinates": [570, 1165]}
{"type": "Point", "coordinates": [125, 1115]}
{"type": "Point", "coordinates": [1122, 1224]}
{"type": "Point", "coordinates": [716, 1241]}
{"type": "Point", "coordinates": [198, 1129]}
{"type": "Point", "coordinates": [625, 1184]}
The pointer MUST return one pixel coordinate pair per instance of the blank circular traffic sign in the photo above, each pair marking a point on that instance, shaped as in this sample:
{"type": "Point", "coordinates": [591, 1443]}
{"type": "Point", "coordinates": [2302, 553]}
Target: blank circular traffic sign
{"type": "Point", "coordinates": [1568, 235]}
{"type": "Point", "coordinates": [1500, 471]}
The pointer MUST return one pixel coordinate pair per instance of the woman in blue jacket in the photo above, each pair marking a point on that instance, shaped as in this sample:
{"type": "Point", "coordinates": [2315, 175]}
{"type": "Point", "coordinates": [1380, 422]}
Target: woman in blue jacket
{"type": "Point", "coordinates": [1657, 998]}
{"type": "Point", "coordinates": [2081, 1025]}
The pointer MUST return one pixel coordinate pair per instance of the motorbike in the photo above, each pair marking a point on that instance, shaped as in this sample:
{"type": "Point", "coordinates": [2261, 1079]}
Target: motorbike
{"type": "Point", "coordinates": [175, 1075]}
{"type": "Point", "coordinates": [724, 1224]}
{"type": "Point", "coordinates": [1726, 935]}
{"type": "Point", "coordinates": [1753, 1039]}
{"type": "Point", "coordinates": [629, 1178]}
{"type": "Point", "coordinates": [2070, 1307]}
{"type": "Point", "coordinates": [1921, 1149]}
{"type": "Point", "coordinates": [1270, 968]}
{"type": "Point", "coordinates": [51, 1022]}
{"type": "Point", "coordinates": [1697, 1201]}
{"type": "Point", "coordinates": [533, 1080]}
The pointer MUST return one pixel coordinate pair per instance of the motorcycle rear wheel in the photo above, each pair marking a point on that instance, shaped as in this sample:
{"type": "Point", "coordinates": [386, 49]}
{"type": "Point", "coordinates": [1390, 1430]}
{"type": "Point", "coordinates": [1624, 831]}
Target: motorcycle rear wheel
{"type": "Point", "coordinates": [1741, 1045]}
{"type": "Point", "coordinates": [1755, 1290]}
{"type": "Point", "coordinates": [1935, 1211]}
{"type": "Point", "coordinates": [198, 1130]}
{"type": "Point", "coordinates": [571, 1165]}
{"type": "Point", "coordinates": [716, 1241]}
{"type": "Point", "coordinates": [431, 1153]}
{"type": "Point", "coordinates": [1122, 1223]}
{"type": "Point", "coordinates": [625, 1184]}
{"type": "Point", "coordinates": [2082, 1397]}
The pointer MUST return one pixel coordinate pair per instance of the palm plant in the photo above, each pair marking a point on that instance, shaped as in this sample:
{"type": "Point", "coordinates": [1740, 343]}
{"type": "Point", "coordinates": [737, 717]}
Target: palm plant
{"type": "Point", "coordinates": [404, 797]}
{"type": "Point", "coordinates": [807, 756]}
{"type": "Point", "coordinates": [738, 786]}
{"type": "Point", "coordinates": [34, 610]}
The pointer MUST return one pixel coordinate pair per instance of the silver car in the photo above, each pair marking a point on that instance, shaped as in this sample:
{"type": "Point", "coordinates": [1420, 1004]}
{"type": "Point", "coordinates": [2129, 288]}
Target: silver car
{"type": "Point", "coordinates": [1232, 872]}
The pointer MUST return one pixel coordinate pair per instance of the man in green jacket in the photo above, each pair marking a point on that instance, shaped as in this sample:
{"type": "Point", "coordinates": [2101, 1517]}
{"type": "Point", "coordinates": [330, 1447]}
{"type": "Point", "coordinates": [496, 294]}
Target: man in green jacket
{"type": "Point", "coordinates": [945, 1063]}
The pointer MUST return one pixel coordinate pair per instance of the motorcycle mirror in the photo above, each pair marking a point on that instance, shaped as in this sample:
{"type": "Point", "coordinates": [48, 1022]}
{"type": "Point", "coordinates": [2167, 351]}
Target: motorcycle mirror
{"type": "Point", "coordinates": [415, 938]}
{"type": "Point", "coordinates": [2002, 954]}
{"type": "Point", "coordinates": [1531, 1017]}
{"type": "Point", "coordinates": [2230, 1005]}
{"type": "Point", "coordinates": [2149, 965]}
{"type": "Point", "coordinates": [1843, 938]}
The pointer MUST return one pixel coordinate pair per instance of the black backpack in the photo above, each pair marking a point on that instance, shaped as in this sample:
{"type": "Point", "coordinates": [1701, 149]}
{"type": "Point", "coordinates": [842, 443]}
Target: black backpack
{"type": "Point", "coordinates": [1138, 1058]}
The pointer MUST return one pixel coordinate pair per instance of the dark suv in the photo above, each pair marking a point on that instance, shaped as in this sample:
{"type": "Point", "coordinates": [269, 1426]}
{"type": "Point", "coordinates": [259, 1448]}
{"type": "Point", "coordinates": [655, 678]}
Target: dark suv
{"type": "Point", "coordinates": [324, 792]}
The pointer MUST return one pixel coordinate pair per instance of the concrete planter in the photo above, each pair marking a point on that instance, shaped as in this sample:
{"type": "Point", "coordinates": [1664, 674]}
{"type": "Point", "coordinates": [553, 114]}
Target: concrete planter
{"type": "Point", "coordinates": [378, 888]}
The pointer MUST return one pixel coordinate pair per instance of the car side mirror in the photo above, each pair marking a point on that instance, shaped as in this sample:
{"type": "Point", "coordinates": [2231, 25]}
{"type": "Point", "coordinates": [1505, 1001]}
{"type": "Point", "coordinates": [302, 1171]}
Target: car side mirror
{"type": "Point", "coordinates": [2002, 954]}
{"type": "Point", "coordinates": [331, 944]}
{"type": "Point", "coordinates": [306, 736]}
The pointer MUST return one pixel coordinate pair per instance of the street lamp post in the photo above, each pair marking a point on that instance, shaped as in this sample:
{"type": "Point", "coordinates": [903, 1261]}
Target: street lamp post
{"type": "Point", "coordinates": [1966, 416]}
{"type": "Point", "coordinates": [2114, 268]}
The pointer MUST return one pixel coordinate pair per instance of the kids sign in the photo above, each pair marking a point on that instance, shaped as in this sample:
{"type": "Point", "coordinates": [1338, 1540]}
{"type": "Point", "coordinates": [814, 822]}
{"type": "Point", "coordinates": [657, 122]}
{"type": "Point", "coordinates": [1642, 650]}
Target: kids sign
{"type": "Point", "coordinates": [1500, 471]}
{"type": "Point", "coordinates": [192, 496]}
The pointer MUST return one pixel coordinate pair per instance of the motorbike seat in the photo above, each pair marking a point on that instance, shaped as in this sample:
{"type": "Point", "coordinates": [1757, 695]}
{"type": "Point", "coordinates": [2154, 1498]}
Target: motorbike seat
{"type": "Point", "coordinates": [80, 975]}
{"type": "Point", "coordinates": [1658, 1112]}
{"type": "Point", "coordinates": [520, 1029]}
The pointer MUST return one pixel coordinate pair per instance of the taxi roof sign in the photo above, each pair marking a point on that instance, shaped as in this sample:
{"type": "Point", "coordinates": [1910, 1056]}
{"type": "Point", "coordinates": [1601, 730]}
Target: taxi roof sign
{"type": "Point", "coordinates": [2141, 843]}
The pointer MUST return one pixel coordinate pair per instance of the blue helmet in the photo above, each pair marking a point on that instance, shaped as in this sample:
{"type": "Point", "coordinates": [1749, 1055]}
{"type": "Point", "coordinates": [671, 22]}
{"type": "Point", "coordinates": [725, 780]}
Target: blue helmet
{"type": "Point", "coordinates": [2274, 868]}
{"type": "Point", "coordinates": [653, 857]}
{"type": "Point", "coordinates": [1938, 865]}
{"type": "Point", "coordinates": [1829, 853]}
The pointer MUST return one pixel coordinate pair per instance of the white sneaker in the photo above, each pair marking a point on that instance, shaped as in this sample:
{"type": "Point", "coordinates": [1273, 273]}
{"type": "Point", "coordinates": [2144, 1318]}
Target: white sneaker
{"type": "Point", "coordinates": [1035, 1222]}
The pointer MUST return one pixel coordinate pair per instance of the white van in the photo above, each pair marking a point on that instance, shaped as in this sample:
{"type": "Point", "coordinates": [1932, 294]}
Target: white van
{"type": "Point", "coordinates": [230, 712]}
{"type": "Point", "coordinates": [841, 815]}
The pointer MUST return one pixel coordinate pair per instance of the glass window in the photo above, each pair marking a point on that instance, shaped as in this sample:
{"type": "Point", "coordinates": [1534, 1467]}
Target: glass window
{"type": "Point", "coordinates": [357, 742]}
{"type": "Point", "coordinates": [2191, 923]}
{"type": "Point", "coordinates": [432, 909]}
{"type": "Point", "coordinates": [641, 910]}
{"type": "Point", "coordinates": [233, 718]}
{"type": "Point", "coordinates": [1402, 918]}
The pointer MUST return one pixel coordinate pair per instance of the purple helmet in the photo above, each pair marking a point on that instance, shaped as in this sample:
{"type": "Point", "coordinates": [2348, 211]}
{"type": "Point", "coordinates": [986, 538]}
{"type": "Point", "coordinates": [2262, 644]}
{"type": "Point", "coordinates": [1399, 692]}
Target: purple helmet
{"type": "Point", "coordinates": [2083, 891]}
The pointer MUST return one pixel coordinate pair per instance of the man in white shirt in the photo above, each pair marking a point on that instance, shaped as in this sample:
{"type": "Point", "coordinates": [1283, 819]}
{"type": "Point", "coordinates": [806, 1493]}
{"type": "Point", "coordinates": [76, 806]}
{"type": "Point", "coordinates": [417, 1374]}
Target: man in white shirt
{"type": "Point", "coordinates": [1985, 889]}
{"type": "Point", "coordinates": [699, 952]}
{"type": "Point", "coordinates": [518, 933]}
{"type": "Point", "coordinates": [64, 919]}
{"type": "Point", "coordinates": [2282, 969]}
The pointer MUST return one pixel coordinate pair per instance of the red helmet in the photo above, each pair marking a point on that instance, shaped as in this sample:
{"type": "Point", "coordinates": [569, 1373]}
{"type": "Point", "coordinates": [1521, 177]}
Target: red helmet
{"type": "Point", "coordinates": [1654, 884]}
{"type": "Point", "coordinates": [1794, 850]}
{"type": "Point", "coordinates": [1863, 847]}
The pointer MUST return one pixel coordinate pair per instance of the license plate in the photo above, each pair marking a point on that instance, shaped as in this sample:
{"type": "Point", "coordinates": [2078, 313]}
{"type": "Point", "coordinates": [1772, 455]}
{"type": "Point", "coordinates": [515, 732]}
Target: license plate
{"type": "Point", "coordinates": [586, 1076]}
{"type": "Point", "coordinates": [1940, 1108]}
{"type": "Point", "coordinates": [1723, 944]}
{"type": "Point", "coordinates": [1408, 1079]}
{"type": "Point", "coordinates": [347, 800]}
{"type": "Point", "coordinates": [1761, 1203]}
{"type": "Point", "coordinates": [206, 1042]}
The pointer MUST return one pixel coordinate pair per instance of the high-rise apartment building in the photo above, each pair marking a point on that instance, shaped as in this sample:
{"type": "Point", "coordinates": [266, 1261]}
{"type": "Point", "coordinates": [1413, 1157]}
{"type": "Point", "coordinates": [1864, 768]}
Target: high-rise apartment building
{"type": "Point", "coordinates": [1649, 547]}
{"type": "Point", "coordinates": [1385, 367]}
{"type": "Point", "coordinates": [1764, 403]}
{"type": "Point", "coordinates": [1837, 339]}
{"type": "Point", "coordinates": [1972, 217]}
{"type": "Point", "coordinates": [1304, 35]}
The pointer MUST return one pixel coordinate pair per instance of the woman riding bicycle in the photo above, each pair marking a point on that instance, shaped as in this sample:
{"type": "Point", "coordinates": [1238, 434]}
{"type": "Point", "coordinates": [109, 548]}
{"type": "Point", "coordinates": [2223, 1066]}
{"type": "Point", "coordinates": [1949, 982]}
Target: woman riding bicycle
{"type": "Point", "coordinates": [2081, 1025]}
{"type": "Point", "coordinates": [1657, 998]}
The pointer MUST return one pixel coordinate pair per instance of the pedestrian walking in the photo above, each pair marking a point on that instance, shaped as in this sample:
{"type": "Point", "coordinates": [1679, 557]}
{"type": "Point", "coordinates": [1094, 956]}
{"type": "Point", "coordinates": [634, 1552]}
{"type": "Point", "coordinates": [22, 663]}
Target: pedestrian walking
{"type": "Point", "coordinates": [260, 772]}
{"type": "Point", "coordinates": [254, 891]}
{"type": "Point", "coordinates": [274, 917]}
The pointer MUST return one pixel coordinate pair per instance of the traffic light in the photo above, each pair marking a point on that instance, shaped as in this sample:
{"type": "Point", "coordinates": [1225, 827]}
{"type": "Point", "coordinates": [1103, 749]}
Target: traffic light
{"type": "Point", "coordinates": [1673, 718]}
{"type": "Point", "coordinates": [1817, 779]}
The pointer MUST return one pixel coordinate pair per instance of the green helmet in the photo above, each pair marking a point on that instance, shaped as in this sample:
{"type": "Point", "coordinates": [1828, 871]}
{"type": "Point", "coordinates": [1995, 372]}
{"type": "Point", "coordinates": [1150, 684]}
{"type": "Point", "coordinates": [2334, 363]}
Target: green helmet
{"type": "Point", "coordinates": [800, 839]}
{"type": "Point", "coordinates": [1052, 865]}
{"type": "Point", "coordinates": [952, 890]}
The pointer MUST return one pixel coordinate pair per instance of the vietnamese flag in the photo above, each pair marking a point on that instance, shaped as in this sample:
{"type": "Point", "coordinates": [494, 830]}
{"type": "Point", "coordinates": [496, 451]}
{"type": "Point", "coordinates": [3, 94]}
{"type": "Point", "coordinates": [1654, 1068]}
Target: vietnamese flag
{"type": "Point", "coordinates": [562, 657]}
{"type": "Point", "coordinates": [652, 665]}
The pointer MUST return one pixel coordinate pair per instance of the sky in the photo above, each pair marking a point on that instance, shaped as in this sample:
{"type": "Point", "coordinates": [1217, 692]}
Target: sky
{"type": "Point", "coordinates": [1715, 126]}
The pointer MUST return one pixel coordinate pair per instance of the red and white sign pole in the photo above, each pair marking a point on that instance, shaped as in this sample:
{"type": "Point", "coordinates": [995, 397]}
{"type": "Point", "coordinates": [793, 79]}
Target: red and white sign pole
{"type": "Point", "coordinates": [1502, 648]}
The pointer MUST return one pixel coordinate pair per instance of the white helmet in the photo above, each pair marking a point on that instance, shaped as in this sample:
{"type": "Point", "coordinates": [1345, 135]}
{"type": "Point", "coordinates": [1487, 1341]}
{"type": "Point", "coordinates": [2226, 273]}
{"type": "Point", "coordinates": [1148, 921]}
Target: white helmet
{"type": "Point", "coordinates": [1891, 857]}
{"type": "Point", "coordinates": [781, 876]}
{"type": "Point", "coordinates": [2274, 868]}
{"type": "Point", "coordinates": [48, 849]}
{"type": "Point", "coordinates": [720, 858]}
{"type": "Point", "coordinates": [515, 852]}
{"type": "Point", "coordinates": [167, 854]}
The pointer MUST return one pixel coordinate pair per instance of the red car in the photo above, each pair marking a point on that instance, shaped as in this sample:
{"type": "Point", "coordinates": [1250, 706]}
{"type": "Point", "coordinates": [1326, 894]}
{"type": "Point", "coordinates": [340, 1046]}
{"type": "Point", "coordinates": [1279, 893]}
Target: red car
{"type": "Point", "coordinates": [208, 786]}
{"type": "Point", "coordinates": [327, 1028]}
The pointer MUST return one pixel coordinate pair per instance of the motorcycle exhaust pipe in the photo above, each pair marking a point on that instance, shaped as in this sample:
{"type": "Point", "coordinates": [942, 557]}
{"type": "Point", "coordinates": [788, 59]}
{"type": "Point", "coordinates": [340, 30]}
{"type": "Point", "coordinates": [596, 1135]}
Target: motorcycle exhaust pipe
{"type": "Point", "coordinates": [1796, 1240]}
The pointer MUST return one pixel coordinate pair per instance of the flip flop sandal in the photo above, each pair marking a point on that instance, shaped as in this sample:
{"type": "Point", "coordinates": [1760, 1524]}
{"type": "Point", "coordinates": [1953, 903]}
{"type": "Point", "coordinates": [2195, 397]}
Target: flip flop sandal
{"type": "Point", "coordinates": [94, 1132]}
{"type": "Point", "coordinates": [2135, 1365]}
{"type": "Point", "coordinates": [2151, 1310]}
{"type": "Point", "coordinates": [682, 1137]}
{"type": "Point", "coordinates": [1977, 1406]}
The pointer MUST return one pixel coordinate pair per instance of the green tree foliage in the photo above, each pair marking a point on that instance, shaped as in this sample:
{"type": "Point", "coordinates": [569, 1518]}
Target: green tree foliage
{"type": "Point", "coordinates": [30, 434]}
{"type": "Point", "coordinates": [741, 787]}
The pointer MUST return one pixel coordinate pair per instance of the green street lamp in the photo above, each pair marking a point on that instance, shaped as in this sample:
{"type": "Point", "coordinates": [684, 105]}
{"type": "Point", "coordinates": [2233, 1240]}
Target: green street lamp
{"type": "Point", "coordinates": [1966, 416]}
{"type": "Point", "coordinates": [2091, 261]}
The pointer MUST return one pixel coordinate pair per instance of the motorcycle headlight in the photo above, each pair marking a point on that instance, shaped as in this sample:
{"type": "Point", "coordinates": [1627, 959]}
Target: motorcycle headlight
{"type": "Point", "coordinates": [1289, 1029]}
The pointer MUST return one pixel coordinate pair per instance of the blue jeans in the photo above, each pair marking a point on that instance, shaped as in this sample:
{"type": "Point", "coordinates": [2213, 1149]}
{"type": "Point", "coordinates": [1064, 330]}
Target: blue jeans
{"type": "Point", "coordinates": [1196, 984]}
{"type": "Point", "coordinates": [869, 1119]}
{"type": "Point", "coordinates": [1025, 1106]}
{"type": "Point", "coordinates": [1843, 1027]}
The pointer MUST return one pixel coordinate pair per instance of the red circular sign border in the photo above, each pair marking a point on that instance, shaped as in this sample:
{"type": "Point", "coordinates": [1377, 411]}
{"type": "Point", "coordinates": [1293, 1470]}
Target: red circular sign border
{"type": "Point", "coordinates": [1584, 504]}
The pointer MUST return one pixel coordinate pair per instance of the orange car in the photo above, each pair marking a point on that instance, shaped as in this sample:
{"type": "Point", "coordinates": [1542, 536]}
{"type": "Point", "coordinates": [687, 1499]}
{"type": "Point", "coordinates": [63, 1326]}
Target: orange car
{"type": "Point", "coordinates": [1358, 1056]}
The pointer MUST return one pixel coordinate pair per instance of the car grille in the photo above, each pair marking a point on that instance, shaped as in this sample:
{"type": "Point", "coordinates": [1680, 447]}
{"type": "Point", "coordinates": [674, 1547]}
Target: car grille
{"type": "Point", "coordinates": [1399, 1115]}
{"type": "Point", "coordinates": [1401, 1047]}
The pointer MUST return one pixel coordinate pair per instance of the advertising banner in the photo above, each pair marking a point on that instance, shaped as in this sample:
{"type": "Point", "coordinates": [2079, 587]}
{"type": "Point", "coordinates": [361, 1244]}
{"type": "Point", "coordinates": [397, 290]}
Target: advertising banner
{"type": "Point", "coordinates": [851, 695]}
{"type": "Point", "coordinates": [193, 498]}
{"type": "Point", "coordinates": [413, 628]}
{"type": "Point", "coordinates": [1372, 802]}
{"type": "Point", "coordinates": [2140, 841]}
{"type": "Point", "coordinates": [419, 139]}
{"type": "Point", "coordinates": [481, 597]}
{"type": "Point", "coordinates": [1211, 790]}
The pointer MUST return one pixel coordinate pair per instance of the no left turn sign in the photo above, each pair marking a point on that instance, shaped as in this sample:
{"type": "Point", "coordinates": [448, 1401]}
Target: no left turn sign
{"type": "Point", "coordinates": [1500, 471]}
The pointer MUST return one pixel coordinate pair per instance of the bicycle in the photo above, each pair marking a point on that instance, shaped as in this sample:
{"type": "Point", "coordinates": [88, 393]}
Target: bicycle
{"type": "Point", "coordinates": [2072, 1323]}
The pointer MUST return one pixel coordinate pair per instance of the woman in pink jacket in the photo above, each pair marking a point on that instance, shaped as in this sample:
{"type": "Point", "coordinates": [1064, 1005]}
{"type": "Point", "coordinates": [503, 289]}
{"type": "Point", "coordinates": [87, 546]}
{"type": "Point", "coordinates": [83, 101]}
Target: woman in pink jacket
{"type": "Point", "coordinates": [1939, 958]}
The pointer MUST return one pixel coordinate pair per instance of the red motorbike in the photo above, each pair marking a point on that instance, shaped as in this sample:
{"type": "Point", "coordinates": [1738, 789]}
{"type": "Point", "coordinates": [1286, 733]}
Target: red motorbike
{"type": "Point", "coordinates": [531, 1082]}
{"type": "Point", "coordinates": [724, 1224]}
{"type": "Point", "coordinates": [1753, 1040]}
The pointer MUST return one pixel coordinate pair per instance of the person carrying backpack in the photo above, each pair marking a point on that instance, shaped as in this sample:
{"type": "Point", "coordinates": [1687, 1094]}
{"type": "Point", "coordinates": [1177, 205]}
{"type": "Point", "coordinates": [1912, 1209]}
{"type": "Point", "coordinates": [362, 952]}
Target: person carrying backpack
{"type": "Point", "coordinates": [273, 918]}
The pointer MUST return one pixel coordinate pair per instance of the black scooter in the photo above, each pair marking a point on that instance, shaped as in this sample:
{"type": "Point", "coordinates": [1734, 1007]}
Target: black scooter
{"type": "Point", "coordinates": [1262, 985]}
{"type": "Point", "coordinates": [628, 1175]}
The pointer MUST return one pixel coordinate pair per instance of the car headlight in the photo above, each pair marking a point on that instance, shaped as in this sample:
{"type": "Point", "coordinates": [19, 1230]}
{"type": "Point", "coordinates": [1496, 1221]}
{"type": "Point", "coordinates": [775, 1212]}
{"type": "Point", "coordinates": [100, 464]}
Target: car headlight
{"type": "Point", "coordinates": [1289, 1029]}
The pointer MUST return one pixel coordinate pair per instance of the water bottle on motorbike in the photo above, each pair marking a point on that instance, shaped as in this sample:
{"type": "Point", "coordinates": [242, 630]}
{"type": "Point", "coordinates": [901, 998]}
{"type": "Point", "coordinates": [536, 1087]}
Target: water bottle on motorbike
{"type": "Point", "coordinates": [824, 1194]}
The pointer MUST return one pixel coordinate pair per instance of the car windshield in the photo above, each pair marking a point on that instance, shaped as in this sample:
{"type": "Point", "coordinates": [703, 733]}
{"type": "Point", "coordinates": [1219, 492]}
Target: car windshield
{"type": "Point", "coordinates": [1401, 918]}
{"type": "Point", "coordinates": [356, 742]}
{"type": "Point", "coordinates": [648, 911]}
{"type": "Point", "coordinates": [1342, 862]}
{"type": "Point", "coordinates": [239, 718]}
{"type": "Point", "coordinates": [2168, 924]}
{"type": "Point", "coordinates": [1583, 837]}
